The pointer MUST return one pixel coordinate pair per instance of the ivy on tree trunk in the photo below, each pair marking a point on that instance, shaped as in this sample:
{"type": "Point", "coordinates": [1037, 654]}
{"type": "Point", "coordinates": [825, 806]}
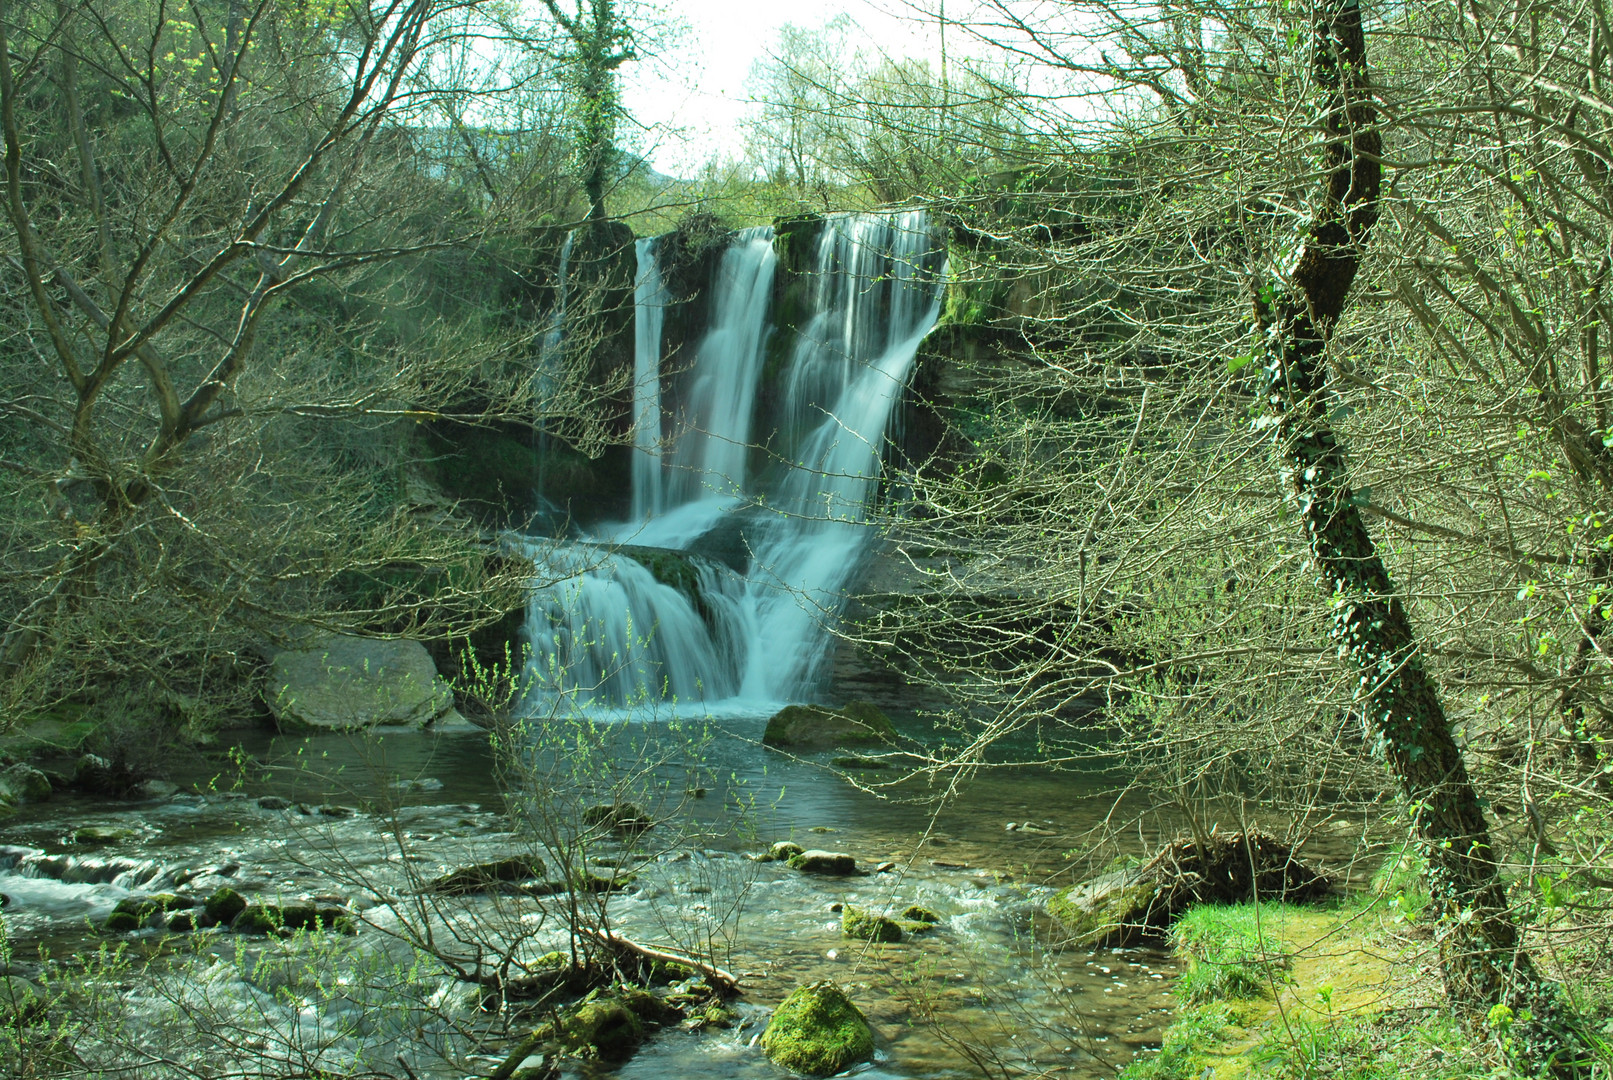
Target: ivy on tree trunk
{"type": "Point", "coordinates": [1481, 955]}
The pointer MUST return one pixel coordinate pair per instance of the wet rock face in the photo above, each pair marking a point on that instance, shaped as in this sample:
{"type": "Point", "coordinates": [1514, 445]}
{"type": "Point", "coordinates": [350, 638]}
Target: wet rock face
{"type": "Point", "coordinates": [347, 683]}
{"type": "Point", "coordinates": [23, 784]}
{"type": "Point", "coordinates": [818, 1031]}
{"type": "Point", "coordinates": [815, 727]}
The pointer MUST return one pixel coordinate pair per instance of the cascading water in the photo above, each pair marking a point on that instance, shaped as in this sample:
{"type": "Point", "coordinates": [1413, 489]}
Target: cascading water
{"type": "Point", "coordinates": [632, 628]}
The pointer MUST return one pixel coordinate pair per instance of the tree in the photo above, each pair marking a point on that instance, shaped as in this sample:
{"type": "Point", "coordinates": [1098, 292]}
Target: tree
{"type": "Point", "coordinates": [224, 311]}
{"type": "Point", "coordinates": [600, 44]}
{"type": "Point", "coordinates": [1105, 531]}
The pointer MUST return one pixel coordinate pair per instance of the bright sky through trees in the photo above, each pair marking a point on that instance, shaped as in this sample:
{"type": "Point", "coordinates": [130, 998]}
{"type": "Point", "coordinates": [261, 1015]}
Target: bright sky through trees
{"type": "Point", "coordinates": [693, 96]}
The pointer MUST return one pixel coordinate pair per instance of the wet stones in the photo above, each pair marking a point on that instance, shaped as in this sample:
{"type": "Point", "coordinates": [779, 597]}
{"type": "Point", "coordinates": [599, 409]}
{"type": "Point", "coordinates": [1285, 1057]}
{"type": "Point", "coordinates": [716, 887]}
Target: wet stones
{"type": "Point", "coordinates": [137, 912]}
{"type": "Point", "coordinates": [818, 1031]}
{"type": "Point", "coordinates": [830, 863]}
{"type": "Point", "coordinates": [222, 907]}
{"type": "Point", "coordinates": [782, 851]}
{"type": "Point", "coordinates": [624, 819]}
{"type": "Point", "coordinates": [866, 926]}
{"type": "Point", "coordinates": [495, 876]}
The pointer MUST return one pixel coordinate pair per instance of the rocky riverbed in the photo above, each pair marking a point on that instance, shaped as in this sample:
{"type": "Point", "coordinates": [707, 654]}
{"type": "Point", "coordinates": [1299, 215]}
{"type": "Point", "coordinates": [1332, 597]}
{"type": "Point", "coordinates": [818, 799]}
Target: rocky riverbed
{"type": "Point", "coordinates": [364, 827]}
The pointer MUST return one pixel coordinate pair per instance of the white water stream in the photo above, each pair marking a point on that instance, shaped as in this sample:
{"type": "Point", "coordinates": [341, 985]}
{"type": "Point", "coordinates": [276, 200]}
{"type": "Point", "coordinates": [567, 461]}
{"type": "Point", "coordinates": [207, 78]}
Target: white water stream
{"type": "Point", "coordinates": [607, 631]}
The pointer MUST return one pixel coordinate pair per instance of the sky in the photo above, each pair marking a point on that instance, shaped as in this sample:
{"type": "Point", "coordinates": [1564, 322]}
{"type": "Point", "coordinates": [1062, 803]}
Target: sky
{"type": "Point", "coordinates": [695, 95]}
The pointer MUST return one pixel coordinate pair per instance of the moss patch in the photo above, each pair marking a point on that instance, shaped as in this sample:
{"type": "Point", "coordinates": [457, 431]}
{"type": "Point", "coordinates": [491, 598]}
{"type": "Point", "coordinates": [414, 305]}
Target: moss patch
{"type": "Point", "coordinates": [818, 1031]}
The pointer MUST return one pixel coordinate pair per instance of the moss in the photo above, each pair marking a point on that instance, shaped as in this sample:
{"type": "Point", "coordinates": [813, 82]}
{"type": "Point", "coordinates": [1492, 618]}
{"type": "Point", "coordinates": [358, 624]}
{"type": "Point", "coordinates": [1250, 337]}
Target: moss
{"type": "Point", "coordinates": [131, 913]}
{"type": "Point", "coordinates": [818, 1031]}
{"type": "Point", "coordinates": [915, 913]}
{"type": "Point", "coordinates": [867, 926]}
{"type": "Point", "coordinates": [782, 851]}
{"type": "Point", "coordinates": [101, 836]}
{"type": "Point", "coordinates": [488, 876]}
{"type": "Point", "coordinates": [625, 819]}
{"type": "Point", "coordinates": [223, 906]}
{"type": "Point", "coordinates": [1111, 917]}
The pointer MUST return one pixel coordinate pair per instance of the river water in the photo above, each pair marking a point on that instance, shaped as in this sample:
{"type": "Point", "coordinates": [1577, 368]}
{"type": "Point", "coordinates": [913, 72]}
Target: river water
{"type": "Point", "coordinates": [990, 980]}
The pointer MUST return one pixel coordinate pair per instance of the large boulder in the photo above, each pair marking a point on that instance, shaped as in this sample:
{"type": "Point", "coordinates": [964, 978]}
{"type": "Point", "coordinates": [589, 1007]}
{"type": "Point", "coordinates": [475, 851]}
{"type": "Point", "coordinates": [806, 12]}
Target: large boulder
{"type": "Point", "coordinates": [817, 727]}
{"type": "Point", "coordinates": [346, 683]}
{"type": "Point", "coordinates": [23, 784]}
{"type": "Point", "coordinates": [1142, 901]}
{"type": "Point", "coordinates": [818, 1031]}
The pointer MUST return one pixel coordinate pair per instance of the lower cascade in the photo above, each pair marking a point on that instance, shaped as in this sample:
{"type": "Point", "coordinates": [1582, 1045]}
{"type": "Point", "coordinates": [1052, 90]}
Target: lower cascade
{"type": "Point", "coordinates": [725, 586]}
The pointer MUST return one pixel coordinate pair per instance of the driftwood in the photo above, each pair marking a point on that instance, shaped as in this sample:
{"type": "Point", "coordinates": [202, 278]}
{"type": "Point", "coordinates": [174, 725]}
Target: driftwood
{"type": "Point", "coordinates": [1223, 868]}
{"type": "Point", "coordinates": [720, 980]}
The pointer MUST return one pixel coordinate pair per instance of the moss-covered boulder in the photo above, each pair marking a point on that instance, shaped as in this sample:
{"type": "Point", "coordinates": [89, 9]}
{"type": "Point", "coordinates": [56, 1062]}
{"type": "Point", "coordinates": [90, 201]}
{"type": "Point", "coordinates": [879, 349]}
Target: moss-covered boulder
{"type": "Point", "coordinates": [867, 926]}
{"type": "Point", "coordinates": [1113, 909]}
{"type": "Point", "coordinates": [830, 863]}
{"type": "Point", "coordinates": [21, 783]}
{"type": "Point", "coordinates": [134, 912]}
{"type": "Point", "coordinates": [781, 851]}
{"type": "Point", "coordinates": [222, 907]}
{"type": "Point", "coordinates": [490, 876]}
{"type": "Point", "coordinates": [918, 914]}
{"type": "Point", "coordinates": [818, 1031]}
{"type": "Point", "coordinates": [817, 727]}
{"type": "Point", "coordinates": [101, 836]}
{"type": "Point", "coordinates": [624, 818]}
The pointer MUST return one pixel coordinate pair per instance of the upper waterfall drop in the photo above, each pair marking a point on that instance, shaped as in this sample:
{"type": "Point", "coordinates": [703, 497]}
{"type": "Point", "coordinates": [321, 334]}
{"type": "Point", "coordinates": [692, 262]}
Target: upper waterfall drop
{"type": "Point", "coordinates": [611, 632]}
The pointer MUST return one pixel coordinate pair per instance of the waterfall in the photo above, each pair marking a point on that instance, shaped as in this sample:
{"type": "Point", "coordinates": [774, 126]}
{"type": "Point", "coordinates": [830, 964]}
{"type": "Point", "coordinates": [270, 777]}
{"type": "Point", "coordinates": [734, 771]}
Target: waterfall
{"type": "Point", "coordinates": [714, 431]}
{"type": "Point", "coordinates": [607, 630]}
{"type": "Point", "coordinates": [649, 316]}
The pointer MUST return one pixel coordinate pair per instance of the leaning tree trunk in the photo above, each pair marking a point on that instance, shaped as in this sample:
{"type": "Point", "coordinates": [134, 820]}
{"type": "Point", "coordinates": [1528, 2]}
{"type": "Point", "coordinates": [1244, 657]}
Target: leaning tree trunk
{"type": "Point", "coordinates": [1481, 956]}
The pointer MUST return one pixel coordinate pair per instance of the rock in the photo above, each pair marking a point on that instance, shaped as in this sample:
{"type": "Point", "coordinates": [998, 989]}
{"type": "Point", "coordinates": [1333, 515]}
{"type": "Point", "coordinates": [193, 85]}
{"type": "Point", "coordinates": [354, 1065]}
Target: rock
{"type": "Point", "coordinates": [915, 913]}
{"type": "Point", "coordinates": [136, 912]}
{"type": "Point", "coordinates": [424, 783]}
{"type": "Point", "coordinates": [347, 683]}
{"type": "Point", "coordinates": [824, 862]}
{"type": "Point", "coordinates": [222, 907]}
{"type": "Point", "coordinates": [488, 877]}
{"type": "Point", "coordinates": [866, 926]}
{"type": "Point", "coordinates": [814, 727]}
{"type": "Point", "coordinates": [781, 851]}
{"type": "Point", "coordinates": [182, 922]}
{"type": "Point", "coordinates": [274, 802]}
{"type": "Point", "coordinates": [1117, 908]}
{"type": "Point", "coordinates": [20, 1000]}
{"type": "Point", "coordinates": [257, 919]}
{"type": "Point", "coordinates": [100, 836]}
{"type": "Point", "coordinates": [24, 784]}
{"type": "Point", "coordinates": [884, 868]}
{"type": "Point", "coordinates": [857, 761]}
{"type": "Point", "coordinates": [158, 789]}
{"type": "Point", "coordinates": [818, 1031]}
{"type": "Point", "coordinates": [624, 819]}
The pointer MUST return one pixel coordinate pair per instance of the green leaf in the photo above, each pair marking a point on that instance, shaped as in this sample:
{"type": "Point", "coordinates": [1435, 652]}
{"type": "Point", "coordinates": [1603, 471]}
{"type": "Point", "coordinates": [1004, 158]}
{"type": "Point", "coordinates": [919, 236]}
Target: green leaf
{"type": "Point", "coordinates": [1239, 362]}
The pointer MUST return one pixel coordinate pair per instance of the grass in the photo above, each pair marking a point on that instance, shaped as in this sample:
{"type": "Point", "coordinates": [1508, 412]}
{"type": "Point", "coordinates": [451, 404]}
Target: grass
{"type": "Point", "coordinates": [1232, 950]}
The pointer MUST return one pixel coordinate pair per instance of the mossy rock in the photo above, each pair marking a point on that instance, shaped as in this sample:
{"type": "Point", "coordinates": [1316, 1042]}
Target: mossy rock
{"type": "Point", "coordinates": [1114, 909]}
{"type": "Point", "coordinates": [857, 761]}
{"type": "Point", "coordinates": [815, 727]}
{"type": "Point", "coordinates": [101, 836]}
{"type": "Point", "coordinates": [487, 876]}
{"type": "Point", "coordinates": [624, 819]}
{"type": "Point", "coordinates": [781, 851]}
{"type": "Point", "coordinates": [182, 922]}
{"type": "Point", "coordinates": [867, 926]}
{"type": "Point", "coordinates": [831, 863]}
{"type": "Point", "coordinates": [134, 912]}
{"type": "Point", "coordinates": [818, 1031]}
{"type": "Point", "coordinates": [918, 914]}
{"type": "Point", "coordinates": [222, 907]}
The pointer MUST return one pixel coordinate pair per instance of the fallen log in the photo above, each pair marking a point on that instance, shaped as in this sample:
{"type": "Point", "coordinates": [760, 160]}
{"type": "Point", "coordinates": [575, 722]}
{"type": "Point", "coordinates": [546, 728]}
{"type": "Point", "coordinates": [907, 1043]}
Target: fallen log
{"type": "Point", "coordinates": [719, 979]}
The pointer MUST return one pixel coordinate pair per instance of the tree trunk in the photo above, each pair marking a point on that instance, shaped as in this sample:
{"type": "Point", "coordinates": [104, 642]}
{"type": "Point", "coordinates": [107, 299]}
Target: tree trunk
{"type": "Point", "coordinates": [1482, 959]}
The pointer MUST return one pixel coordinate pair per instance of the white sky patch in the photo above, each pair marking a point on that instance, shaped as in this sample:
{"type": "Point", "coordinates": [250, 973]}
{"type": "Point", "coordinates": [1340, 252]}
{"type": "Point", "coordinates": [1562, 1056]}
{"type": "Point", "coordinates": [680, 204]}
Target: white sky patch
{"type": "Point", "coordinates": [694, 96]}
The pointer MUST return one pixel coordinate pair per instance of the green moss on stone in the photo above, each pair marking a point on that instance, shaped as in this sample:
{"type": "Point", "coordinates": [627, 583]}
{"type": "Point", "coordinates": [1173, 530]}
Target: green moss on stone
{"type": "Point", "coordinates": [818, 1031]}
{"type": "Point", "coordinates": [867, 926]}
